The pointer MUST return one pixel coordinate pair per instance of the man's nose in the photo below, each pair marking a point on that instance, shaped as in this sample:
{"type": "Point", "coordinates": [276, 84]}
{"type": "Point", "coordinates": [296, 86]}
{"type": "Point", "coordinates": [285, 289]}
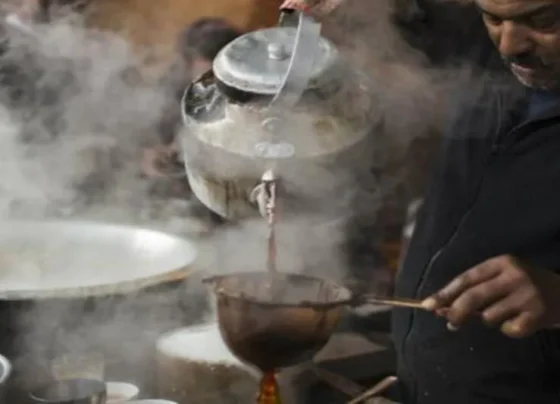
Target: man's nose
{"type": "Point", "coordinates": [514, 39]}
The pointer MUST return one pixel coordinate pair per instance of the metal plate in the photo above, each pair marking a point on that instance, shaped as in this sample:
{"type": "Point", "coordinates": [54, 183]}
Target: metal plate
{"type": "Point", "coordinates": [67, 259]}
{"type": "Point", "coordinates": [248, 63]}
{"type": "Point", "coordinates": [200, 343]}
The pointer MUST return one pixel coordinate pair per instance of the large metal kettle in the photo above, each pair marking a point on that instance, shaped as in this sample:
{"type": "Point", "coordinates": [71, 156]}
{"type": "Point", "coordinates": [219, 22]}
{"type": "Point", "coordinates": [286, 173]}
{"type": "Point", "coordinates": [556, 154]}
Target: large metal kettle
{"type": "Point", "coordinates": [280, 99]}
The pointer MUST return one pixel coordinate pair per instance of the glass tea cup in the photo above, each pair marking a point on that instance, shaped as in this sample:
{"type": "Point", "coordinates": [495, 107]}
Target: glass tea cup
{"type": "Point", "coordinates": [72, 391]}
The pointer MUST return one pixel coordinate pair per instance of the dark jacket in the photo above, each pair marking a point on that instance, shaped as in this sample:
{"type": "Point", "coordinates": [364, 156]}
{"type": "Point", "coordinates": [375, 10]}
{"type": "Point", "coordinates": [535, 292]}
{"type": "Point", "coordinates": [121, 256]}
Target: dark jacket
{"type": "Point", "coordinates": [450, 33]}
{"type": "Point", "coordinates": [496, 191]}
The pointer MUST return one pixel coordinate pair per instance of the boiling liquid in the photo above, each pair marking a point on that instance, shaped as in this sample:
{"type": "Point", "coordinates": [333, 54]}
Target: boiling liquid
{"type": "Point", "coordinates": [271, 252]}
{"type": "Point", "coordinates": [269, 392]}
{"type": "Point", "coordinates": [78, 366]}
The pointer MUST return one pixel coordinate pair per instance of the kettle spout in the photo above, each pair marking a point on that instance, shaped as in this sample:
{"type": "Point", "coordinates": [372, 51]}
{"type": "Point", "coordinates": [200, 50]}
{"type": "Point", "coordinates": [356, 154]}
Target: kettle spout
{"type": "Point", "coordinates": [264, 194]}
{"type": "Point", "coordinates": [268, 176]}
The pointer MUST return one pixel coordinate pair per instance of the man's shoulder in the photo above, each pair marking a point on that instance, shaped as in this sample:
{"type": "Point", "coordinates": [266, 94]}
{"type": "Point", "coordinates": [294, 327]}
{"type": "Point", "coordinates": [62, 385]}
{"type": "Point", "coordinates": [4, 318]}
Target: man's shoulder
{"type": "Point", "coordinates": [482, 101]}
{"type": "Point", "coordinates": [475, 88]}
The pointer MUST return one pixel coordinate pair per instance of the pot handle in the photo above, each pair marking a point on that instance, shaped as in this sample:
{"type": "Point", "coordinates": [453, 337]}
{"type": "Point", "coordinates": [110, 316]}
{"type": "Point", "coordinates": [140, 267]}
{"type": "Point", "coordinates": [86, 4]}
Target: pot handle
{"type": "Point", "coordinates": [360, 300]}
{"type": "Point", "coordinates": [302, 59]}
{"type": "Point", "coordinates": [288, 18]}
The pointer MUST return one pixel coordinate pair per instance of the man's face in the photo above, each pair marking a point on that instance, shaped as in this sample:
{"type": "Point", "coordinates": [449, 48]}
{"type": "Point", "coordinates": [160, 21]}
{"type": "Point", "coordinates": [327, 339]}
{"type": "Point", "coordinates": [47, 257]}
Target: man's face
{"type": "Point", "coordinates": [527, 35]}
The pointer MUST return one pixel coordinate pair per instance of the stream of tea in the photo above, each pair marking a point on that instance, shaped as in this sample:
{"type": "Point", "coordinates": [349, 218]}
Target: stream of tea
{"type": "Point", "coordinates": [269, 392]}
{"type": "Point", "coordinates": [270, 189]}
{"type": "Point", "coordinates": [276, 286]}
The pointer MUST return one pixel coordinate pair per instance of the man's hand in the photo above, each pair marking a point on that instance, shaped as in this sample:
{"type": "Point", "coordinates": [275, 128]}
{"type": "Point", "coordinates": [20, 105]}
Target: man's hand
{"type": "Point", "coordinates": [517, 299]}
{"type": "Point", "coordinates": [157, 159]}
{"type": "Point", "coordinates": [153, 159]}
{"type": "Point", "coordinates": [301, 5]}
{"type": "Point", "coordinates": [317, 8]}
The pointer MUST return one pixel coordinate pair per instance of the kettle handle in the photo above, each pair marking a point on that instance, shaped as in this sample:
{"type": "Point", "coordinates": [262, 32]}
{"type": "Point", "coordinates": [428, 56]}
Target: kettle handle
{"type": "Point", "coordinates": [302, 60]}
{"type": "Point", "coordinates": [288, 18]}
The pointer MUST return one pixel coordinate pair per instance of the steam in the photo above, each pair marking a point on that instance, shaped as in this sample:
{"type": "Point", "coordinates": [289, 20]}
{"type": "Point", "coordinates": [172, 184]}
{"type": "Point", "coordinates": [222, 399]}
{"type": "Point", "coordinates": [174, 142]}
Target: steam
{"type": "Point", "coordinates": [70, 147]}
{"type": "Point", "coordinates": [85, 163]}
{"type": "Point", "coordinates": [81, 121]}
{"type": "Point", "coordinates": [412, 100]}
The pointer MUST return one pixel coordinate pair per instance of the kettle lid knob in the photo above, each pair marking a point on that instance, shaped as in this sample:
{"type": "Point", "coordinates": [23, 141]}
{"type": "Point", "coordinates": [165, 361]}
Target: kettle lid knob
{"type": "Point", "coordinates": [277, 51]}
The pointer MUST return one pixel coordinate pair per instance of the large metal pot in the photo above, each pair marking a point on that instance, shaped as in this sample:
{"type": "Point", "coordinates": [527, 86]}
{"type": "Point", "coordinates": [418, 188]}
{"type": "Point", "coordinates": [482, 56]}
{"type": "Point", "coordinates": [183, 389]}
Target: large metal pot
{"type": "Point", "coordinates": [283, 99]}
{"type": "Point", "coordinates": [75, 259]}
{"type": "Point", "coordinates": [195, 366]}
{"type": "Point", "coordinates": [74, 288]}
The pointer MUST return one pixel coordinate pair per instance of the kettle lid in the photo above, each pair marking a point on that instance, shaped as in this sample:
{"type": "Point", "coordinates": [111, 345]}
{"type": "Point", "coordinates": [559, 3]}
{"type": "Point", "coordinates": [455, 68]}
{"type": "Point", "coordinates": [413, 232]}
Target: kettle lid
{"type": "Point", "coordinates": [259, 61]}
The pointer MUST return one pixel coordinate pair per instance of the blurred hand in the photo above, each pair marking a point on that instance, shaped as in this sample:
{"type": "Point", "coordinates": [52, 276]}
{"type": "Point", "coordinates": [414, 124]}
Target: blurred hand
{"type": "Point", "coordinates": [296, 4]}
{"type": "Point", "coordinates": [317, 8]}
{"type": "Point", "coordinates": [25, 9]}
{"type": "Point", "coordinates": [154, 159]}
{"type": "Point", "coordinates": [517, 299]}
{"type": "Point", "coordinates": [167, 175]}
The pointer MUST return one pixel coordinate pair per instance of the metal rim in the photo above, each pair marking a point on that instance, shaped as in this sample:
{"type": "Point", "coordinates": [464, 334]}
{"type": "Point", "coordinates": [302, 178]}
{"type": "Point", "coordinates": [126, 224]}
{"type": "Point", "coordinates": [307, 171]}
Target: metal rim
{"type": "Point", "coordinates": [106, 290]}
{"type": "Point", "coordinates": [345, 298]}
{"type": "Point", "coordinates": [120, 288]}
{"type": "Point", "coordinates": [195, 328]}
{"type": "Point", "coordinates": [6, 367]}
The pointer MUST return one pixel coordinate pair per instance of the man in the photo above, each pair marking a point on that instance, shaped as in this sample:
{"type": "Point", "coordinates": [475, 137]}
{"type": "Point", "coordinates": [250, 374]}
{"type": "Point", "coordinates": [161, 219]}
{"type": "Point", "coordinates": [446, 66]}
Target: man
{"type": "Point", "coordinates": [485, 254]}
{"type": "Point", "coordinates": [486, 250]}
